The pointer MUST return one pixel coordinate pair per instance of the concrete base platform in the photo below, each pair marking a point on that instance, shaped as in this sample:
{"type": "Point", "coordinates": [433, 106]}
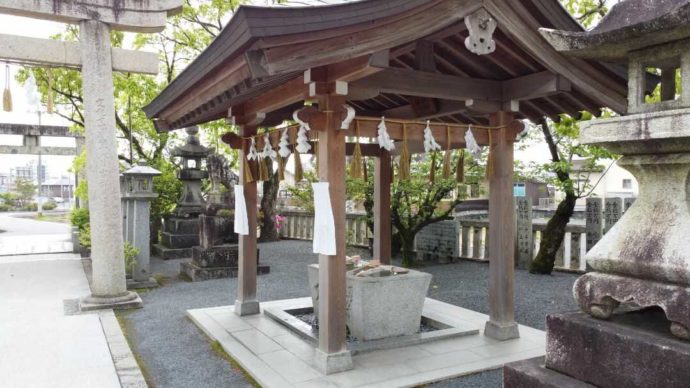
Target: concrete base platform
{"type": "Point", "coordinates": [196, 273]}
{"type": "Point", "coordinates": [533, 374]}
{"type": "Point", "coordinates": [276, 357]}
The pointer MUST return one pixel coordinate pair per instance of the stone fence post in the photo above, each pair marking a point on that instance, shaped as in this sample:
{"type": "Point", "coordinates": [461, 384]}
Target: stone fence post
{"type": "Point", "coordinates": [525, 245]}
{"type": "Point", "coordinates": [593, 224]}
{"type": "Point", "coordinates": [613, 210]}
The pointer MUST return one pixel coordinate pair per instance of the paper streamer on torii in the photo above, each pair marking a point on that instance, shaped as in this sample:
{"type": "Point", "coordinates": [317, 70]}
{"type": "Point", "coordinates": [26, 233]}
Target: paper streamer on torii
{"type": "Point", "coordinates": [241, 221]}
{"type": "Point", "coordinates": [324, 224]}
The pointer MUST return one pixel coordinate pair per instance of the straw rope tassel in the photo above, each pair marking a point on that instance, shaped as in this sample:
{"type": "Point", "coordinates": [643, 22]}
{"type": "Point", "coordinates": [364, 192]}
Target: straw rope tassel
{"type": "Point", "coordinates": [432, 170]}
{"type": "Point", "coordinates": [299, 174]}
{"type": "Point", "coordinates": [460, 168]}
{"type": "Point", "coordinates": [490, 158]}
{"type": "Point", "coordinates": [316, 150]}
{"type": "Point", "coordinates": [281, 168]}
{"type": "Point", "coordinates": [447, 155]}
{"type": "Point", "coordinates": [50, 104]}
{"type": "Point", "coordinates": [356, 168]}
{"type": "Point", "coordinates": [404, 166]}
{"type": "Point", "coordinates": [248, 176]}
{"type": "Point", "coordinates": [7, 93]}
{"type": "Point", "coordinates": [364, 170]}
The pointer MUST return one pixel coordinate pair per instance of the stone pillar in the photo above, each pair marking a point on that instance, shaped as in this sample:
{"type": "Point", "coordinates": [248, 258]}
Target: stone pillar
{"type": "Point", "coordinates": [593, 224]}
{"type": "Point", "coordinates": [613, 210]}
{"type": "Point", "coordinates": [332, 355]}
{"type": "Point", "coordinates": [501, 324]}
{"type": "Point", "coordinates": [246, 302]}
{"type": "Point", "coordinates": [382, 207]}
{"type": "Point", "coordinates": [525, 245]}
{"type": "Point", "coordinates": [137, 194]}
{"type": "Point", "coordinates": [109, 288]}
{"type": "Point", "coordinates": [627, 203]}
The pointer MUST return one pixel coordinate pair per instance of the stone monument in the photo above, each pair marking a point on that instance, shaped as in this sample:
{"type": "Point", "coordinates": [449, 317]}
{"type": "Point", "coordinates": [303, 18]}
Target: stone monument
{"type": "Point", "coordinates": [217, 254]}
{"type": "Point", "coordinates": [136, 187]}
{"type": "Point", "coordinates": [634, 331]}
{"type": "Point", "coordinates": [181, 230]}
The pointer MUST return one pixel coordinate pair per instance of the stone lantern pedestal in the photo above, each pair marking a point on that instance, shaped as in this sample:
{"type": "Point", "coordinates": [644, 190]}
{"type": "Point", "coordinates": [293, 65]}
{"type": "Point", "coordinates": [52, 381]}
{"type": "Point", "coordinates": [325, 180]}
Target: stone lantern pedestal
{"type": "Point", "coordinates": [634, 330]}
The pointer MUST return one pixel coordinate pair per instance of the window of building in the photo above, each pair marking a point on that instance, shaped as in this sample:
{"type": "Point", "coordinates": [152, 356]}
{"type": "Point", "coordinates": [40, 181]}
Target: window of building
{"type": "Point", "coordinates": [627, 183]}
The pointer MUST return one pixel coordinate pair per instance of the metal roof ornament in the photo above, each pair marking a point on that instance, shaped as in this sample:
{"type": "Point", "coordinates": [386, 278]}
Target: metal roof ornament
{"type": "Point", "coordinates": [481, 27]}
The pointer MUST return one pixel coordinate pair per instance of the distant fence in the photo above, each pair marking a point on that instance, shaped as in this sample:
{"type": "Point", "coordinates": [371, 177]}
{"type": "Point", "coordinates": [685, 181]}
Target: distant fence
{"type": "Point", "coordinates": [469, 238]}
{"type": "Point", "coordinates": [299, 225]}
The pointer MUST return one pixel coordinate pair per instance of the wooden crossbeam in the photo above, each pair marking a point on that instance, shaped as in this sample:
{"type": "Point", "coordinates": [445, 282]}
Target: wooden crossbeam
{"type": "Point", "coordinates": [535, 85]}
{"type": "Point", "coordinates": [48, 52]}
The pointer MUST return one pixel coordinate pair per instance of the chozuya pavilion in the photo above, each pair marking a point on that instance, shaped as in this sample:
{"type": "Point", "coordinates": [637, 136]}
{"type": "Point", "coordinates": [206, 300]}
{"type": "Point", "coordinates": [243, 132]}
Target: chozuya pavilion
{"type": "Point", "coordinates": [462, 67]}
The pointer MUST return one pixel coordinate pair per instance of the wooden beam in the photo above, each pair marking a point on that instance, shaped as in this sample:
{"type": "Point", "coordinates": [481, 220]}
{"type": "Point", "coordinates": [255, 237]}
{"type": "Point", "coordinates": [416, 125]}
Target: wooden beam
{"type": "Point", "coordinates": [36, 51]}
{"type": "Point", "coordinates": [535, 85]}
{"type": "Point", "coordinates": [286, 94]}
{"type": "Point", "coordinates": [383, 176]}
{"type": "Point", "coordinates": [434, 85]}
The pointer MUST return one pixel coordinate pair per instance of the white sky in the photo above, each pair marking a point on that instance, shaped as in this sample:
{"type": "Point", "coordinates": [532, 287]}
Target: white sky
{"type": "Point", "coordinates": [59, 165]}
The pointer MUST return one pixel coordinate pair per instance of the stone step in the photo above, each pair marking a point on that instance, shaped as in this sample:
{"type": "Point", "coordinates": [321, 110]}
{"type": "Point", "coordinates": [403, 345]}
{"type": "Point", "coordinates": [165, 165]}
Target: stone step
{"type": "Point", "coordinates": [533, 374]}
{"type": "Point", "coordinates": [218, 256]}
{"type": "Point", "coordinates": [196, 273]}
{"type": "Point", "coordinates": [634, 349]}
{"type": "Point", "coordinates": [166, 253]}
{"type": "Point", "coordinates": [171, 240]}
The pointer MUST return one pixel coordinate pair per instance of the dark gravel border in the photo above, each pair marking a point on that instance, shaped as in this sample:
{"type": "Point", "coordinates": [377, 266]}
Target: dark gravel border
{"type": "Point", "coordinates": [178, 354]}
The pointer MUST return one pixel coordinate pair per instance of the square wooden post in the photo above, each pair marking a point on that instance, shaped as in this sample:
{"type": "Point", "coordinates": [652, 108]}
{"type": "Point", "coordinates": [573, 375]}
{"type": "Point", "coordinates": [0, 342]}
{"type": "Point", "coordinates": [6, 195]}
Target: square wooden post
{"type": "Point", "coordinates": [332, 355]}
{"type": "Point", "coordinates": [246, 302]}
{"type": "Point", "coordinates": [501, 324]}
{"type": "Point", "coordinates": [382, 207]}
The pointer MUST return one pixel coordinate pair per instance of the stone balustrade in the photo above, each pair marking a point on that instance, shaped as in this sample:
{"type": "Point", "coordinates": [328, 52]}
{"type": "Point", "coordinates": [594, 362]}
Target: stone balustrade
{"type": "Point", "coordinates": [299, 225]}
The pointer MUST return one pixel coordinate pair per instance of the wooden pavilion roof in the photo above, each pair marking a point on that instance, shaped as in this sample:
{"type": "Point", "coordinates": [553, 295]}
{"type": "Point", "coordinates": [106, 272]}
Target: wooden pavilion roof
{"type": "Point", "coordinates": [400, 58]}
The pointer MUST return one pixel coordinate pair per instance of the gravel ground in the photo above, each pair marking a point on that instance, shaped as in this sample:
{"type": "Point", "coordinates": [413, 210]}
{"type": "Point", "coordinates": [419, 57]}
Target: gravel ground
{"type": "Point", "coordinates": [177, 354]}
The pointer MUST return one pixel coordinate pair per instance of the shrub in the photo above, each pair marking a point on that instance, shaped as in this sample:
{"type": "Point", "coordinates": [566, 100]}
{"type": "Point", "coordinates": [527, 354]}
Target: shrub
{"type": "Point", "coordinates": [85, 237]}
{"type": "Point", "coordinates": [4, 208]}
{"type": "Point", "coordinates": [131, 253]}
{"type": "Point", "coordinates": [79, 218]}
{"type": "Point", "coordinates": [30, 207]}
{"type": "Point", "coordinates": [50, 205]}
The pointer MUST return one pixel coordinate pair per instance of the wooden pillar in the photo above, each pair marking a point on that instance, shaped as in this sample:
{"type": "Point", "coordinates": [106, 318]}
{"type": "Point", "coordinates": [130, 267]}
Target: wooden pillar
{"type": "Point", "coordinates": [382, 207]}
{"type": "Point", "coordinates": [501, 324]}
{"type": "Point", "coordinates": [246, 302]}
{"type": "Point", "coordinates": [332, 355]}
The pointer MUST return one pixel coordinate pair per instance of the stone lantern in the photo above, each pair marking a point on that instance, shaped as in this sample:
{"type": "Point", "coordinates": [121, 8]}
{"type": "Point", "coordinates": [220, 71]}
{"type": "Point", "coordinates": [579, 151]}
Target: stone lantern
{"type": "Point", "coordinates": [192, 153]}
{"type": "Point", "coordinates": [136, 187]}
{"type": "Point", "coordinates": [639, 289]}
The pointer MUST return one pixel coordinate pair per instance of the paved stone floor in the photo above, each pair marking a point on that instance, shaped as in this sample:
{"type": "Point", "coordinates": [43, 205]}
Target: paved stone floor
{"type": "Point", "coordinates": [277, 357]}
{"type": "Point", "coordinates": [24, 236]}
{"type": "Point", "coordinates": [177, 354]}
{"type": "Point", "coordinates": [39, 345]}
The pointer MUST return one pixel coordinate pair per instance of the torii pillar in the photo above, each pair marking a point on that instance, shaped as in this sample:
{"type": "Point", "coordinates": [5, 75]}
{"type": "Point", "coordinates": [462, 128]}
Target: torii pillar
{"type": "Point", "coordinates": [95, 56]}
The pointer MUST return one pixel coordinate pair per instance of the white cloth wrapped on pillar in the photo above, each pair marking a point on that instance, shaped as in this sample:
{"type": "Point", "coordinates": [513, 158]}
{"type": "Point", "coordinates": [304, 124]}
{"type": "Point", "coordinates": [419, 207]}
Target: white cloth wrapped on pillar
{"type": "Point", "coordinates": [241, 221]}
{"type": "Point", "coordinates": [324, 224]}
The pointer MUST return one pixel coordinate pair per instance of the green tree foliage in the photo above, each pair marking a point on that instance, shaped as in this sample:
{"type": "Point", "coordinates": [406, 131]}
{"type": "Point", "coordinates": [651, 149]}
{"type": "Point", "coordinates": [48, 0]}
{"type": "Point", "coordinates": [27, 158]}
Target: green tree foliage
{"type": "Point", "coordinates": [25, 190]}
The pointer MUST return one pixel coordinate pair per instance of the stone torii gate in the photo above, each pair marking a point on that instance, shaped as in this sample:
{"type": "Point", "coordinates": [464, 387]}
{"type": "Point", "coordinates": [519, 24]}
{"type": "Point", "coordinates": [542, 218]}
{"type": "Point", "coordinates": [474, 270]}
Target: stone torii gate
{"type": "Point", "coordinates": [97, 60]}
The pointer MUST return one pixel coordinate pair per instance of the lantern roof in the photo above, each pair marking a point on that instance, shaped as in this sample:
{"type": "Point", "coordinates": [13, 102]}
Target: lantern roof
{"type": "Point", "coordinates": [142, 169]}
{"type": "Point", "coordinates": [630, 25]}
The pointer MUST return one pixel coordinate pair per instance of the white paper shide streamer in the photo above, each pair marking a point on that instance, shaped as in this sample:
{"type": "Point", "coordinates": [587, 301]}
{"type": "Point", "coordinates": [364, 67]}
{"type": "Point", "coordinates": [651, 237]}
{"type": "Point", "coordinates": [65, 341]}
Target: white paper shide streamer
{"type": "Point", "coordinates": [241, 221]}
{"type": "Point", "coordinates": [303, 145]}
{"type": "Point", "coordinates": [383, 137]}
{"type": "Point", "coordinates": [471, 143]}
{"type": "Point", "coordinates": [283, 146]}
{"type": "Point", "coordinates": [268, 151]}
{"type": "Point", "coordinates": [252, 154]}
{"type": "Point", "coordinates": [324, 225]}
{"type": "Point", "coordinates": [430, 143]}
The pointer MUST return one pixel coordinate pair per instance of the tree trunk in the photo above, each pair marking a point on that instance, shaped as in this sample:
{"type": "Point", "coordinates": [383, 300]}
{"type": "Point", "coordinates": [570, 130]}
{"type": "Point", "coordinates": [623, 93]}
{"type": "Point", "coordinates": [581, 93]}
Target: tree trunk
{"type": "Point", "coordinates": [408, 253]}
{"type": "Point", "coordinates": [553, 235]}
{"type": "Point", "coordinates": [269, 232]}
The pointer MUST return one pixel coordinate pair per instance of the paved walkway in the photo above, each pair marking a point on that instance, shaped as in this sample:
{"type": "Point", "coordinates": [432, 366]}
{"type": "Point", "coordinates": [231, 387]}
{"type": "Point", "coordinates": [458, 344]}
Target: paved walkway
{"type": "Point", "coordinates": [24, 236]}
{"type": "Point", "coordinates": [39, 345]}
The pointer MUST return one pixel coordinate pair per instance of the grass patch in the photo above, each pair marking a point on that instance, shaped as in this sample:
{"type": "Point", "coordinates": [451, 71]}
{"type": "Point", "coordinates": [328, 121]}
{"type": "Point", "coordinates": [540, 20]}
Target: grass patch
{"type": "Point", "coordinates": [220, 352]}
{"type": "Point", "coordinates": [128, 332]}
{"type": "Point", "coordinates": [62, 218]}
{"type": "Point", "coordinates": [161, 279]}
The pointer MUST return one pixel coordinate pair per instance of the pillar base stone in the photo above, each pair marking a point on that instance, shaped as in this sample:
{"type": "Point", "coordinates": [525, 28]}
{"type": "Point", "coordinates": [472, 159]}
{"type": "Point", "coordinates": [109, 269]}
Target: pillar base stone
{"type": "Point", "coordinates": [247, 307]}
{"type": "Point", "coordinates": [125, 301]}
{"type": "Point", "coordinates": [329, 363]}
{"type": "Point", "coordinates": [501, 331]}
